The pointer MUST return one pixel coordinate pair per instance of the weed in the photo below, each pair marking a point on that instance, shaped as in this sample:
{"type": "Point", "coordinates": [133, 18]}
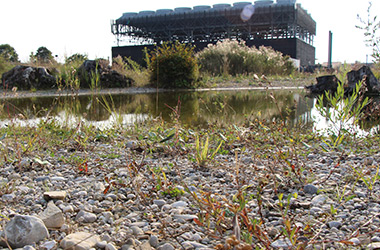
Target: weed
{"type": "Point", "coordinates": [203, 153]}
{"type": "Point", "coordinates": [341, 113]}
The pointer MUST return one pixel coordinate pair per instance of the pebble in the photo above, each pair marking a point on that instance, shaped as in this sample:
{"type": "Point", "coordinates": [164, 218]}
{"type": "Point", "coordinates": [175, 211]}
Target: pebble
{"type": "Point", "coordinates": [166, 246]}
{"type": "Point", "coordinates": [310, 189]}
{"type": "Point", "coordinates": [85, 217]}
{"type": "Point", "coordinates": [153, 241]}
{"type": "Point", "coordinates": [133, 215]}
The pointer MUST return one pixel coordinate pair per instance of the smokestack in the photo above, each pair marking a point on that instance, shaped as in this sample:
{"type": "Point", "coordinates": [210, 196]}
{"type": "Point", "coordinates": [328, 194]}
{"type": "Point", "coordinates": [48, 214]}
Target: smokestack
{"type": "Point", "coordinates": [329, 63]}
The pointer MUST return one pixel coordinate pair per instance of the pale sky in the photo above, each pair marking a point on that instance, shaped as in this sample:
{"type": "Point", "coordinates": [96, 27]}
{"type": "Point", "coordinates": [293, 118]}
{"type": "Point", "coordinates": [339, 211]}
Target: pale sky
{"type": "Point", "coordinates": [83, 26]}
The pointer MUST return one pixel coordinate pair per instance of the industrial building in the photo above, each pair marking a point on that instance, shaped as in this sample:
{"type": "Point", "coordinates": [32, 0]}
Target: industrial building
{"type": "Point", "coordinates": [283, 25]}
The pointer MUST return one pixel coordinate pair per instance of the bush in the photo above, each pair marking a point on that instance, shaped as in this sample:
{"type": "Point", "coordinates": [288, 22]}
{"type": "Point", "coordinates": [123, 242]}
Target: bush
{"type": "Point", "coordinates": [173, 65]}
{"type": "Point", "coordinates": [233, 58]}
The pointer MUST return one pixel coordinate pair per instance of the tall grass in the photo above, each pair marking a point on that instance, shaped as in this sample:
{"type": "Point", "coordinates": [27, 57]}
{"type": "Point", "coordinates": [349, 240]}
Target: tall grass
{"type": "Point", "coordinates": [233, 58]}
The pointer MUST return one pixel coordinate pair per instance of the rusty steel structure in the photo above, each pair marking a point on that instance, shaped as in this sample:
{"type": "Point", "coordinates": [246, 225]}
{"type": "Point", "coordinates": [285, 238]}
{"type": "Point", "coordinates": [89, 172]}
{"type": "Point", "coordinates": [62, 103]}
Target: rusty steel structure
{"type": "Point", "coordinates": [283, 25]}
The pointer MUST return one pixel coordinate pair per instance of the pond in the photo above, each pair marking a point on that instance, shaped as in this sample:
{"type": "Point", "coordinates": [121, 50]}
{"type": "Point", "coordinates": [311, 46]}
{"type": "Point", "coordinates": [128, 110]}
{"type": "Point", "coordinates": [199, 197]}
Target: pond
{"type": "Point", "coordinates": [192, 108]}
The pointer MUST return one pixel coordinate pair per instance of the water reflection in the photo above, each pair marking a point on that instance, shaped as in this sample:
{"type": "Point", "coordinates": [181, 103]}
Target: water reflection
{"type": "Point", "coordinates": [196, 108]}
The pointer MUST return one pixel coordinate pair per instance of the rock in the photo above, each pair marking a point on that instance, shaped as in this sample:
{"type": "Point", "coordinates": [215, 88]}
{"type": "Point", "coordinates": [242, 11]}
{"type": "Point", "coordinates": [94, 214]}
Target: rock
{"type": "Point", "coordinates": [27, 78]}
{"type": "Point", "coordinates": [153, 241]}
{"type": "Point", "coordinates": [145, 246]}
{"type": "Point", "coordinates": [310, 189]}
{"type": "Point", "coordinates": [284, 244]}
{"type": "Point", "coordinates": [330, 82]}
{"type": "Point", "coordinates": [185, 217]}
{"type": "Point", "coordinates": [166, 246]}
{"type": "Point", "coordinates": [48, 245]}
{"type": "Point", "coordinates": [55, 195]}
{"type": "Point", "coordinates": [159, 203]}
{"type": "Point", "coordinates": [108, 78]}
{"type": "Point", "coordinates": [24, 230]}
{"type": "Point", "coordinates": [365, 75]}
{"type": "Point", "coordinates": [110, 246]}
{"type": "Point", "coordinates": [373, 246]}
{"type": "Point", "coordinates": [85, 217]}
{"type": "Point", "coordinates": [52, 216]}
{"type": "Point", "coordinates": [136, 230]}
{"type": "Point", "coordinates": [335, 224]}
{"type": "Point", "coordinates": [178, 204]}
{"type": "Point", "coordinates": [319, 199]}
{"type": "Point", "coordinates": [194, 244]}
{"type": "Point", "coordinates": [79, 241]}
{"type": "Point", "coordinates": [324, 83]}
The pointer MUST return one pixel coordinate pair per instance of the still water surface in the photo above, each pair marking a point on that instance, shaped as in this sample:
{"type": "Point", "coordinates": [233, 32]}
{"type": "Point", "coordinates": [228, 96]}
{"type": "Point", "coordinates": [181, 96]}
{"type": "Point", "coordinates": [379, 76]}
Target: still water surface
{"type": "Point", "coordinates": [193, 108]}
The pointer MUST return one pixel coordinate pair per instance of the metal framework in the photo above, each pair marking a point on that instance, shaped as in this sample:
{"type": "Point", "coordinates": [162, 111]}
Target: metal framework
{"type": "Point", "coordinates": [209, 25]}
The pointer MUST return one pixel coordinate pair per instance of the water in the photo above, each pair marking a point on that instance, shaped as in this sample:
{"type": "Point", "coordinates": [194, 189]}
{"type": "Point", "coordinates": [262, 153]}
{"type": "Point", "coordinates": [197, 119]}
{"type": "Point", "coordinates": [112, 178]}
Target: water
{"type": "Point", "coordinates": [192, 108]}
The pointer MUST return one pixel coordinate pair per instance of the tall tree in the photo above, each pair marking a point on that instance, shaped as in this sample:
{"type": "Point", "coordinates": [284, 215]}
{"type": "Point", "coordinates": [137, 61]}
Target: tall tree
{"type": "Point", "coordinates": [8, 53]}
{"type": "Point", "coordinates": [43, 55]}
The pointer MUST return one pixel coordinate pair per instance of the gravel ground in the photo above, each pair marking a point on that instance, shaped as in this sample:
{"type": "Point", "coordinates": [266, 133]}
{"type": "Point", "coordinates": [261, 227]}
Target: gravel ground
{"type": "Point", "coordinates": [122, 197]}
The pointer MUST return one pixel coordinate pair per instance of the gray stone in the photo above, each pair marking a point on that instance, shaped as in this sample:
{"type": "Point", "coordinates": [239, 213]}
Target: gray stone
{"type": "Point", "coordinates": [185, 217]}
{"type": "Point", "coordinates": [375, 239]}
{"type": "Point", "coordinates": [145, 246]}
{"type": "Point", "coordinates": [55, 195]}
{"type": "Point", "coordinates": [79, 241]}
{"type": "Point", "coordinates": [194, 244]}
{"type": "Point", "coordinates": [48, 245]}
{"type": "Point", "coordinates": [52, 216]}
{"type": "Point", "coordinates": [136, 230]}
{"type": "Point", "coordinates": [159, 203]}
{"type": "Point", "coordinates": [285, 244]}
{"type": "Point", "coordinates": [8, 197]}
{"type": "Point", "coordinates": [85, 217]}
{"type": "Point", "coordinates": [101, 244]}
{"type": "Point", "coordinates": [373, 246]}
{"type": "Point", "coordinates": [110, 246]}
{"type": "Point", "coordinates": [24, 230]}
{"type": "Point", "coordinates": [335, 224]}
{"type": "Point", "coordinates": [28, 247]}
{"type": "Point", "coordinates": [310, 189]}
{"type": "Point", "coordinates": [355, 241]}
{"type": "Point", "coordinates": [179, 204]}
{"type": "Point", "coordinates": [319, 199]}
{"type": "Point", "coordinates": [153, 241]}
{"type": "Point", "coordinates": [166, 246]}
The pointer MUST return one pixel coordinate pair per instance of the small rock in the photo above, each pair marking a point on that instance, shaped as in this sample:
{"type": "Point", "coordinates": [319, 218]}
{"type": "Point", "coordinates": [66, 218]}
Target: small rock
{"type": "Point", "coordinates": [179, 204]}
{"type": "Point", "coordinates": [136, 230]}
{"type": "Point", "coordinates": [375, 239]}
{"type": "Point", "coordinates": [48, 245]}
{"type": "Point", "coordinates": [310, 189]}
{"type": "Point", "coordinates": [145, 246]}
{"type": "Point", "coordinates": [373, 246]}
{"type": "Point", "coordinates": [85, 217]}
{"type": "Point", "coordinates": [55, 195]}
{"type": "Point", "coordinates": [355, 241]}
{"type": "Point", "coordinates": [101, 244]}
{"type": "Point", "coordinates": [25, 230]}
{"type": "Point", "coordinates": [79, 241]}
{"type": "Point", "coordinates": [319, 199]}
{"type": "Point", "coordinates": [153, 241]}
{"type": "Point", "coordinates": [285, 244]}
{"type": "Point", "coordinates": [110, 246]}
{"type": "Point", "coordinates": [335, 224]}
{"type": "Point", "coordinates": [52, 216]}
{"type": "Point", "coordinates": [8, 197]}
{"type": "Point", "coordinates": [185, 217]}
{"type": "Point", "coordinates": [166, 246]}
{"type": "Point", "coordinates": [159, 203]}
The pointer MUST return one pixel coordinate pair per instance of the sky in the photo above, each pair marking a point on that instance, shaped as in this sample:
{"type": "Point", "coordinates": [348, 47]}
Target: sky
{"type": "Point", "coordinates": [84, 26]}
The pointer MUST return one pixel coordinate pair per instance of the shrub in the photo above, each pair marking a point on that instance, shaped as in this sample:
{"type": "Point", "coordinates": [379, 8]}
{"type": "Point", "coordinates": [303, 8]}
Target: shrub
{"type": "Point", "coordinates": [233, 57]}
{"type": "Point", "coordinates": [173, 65]}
